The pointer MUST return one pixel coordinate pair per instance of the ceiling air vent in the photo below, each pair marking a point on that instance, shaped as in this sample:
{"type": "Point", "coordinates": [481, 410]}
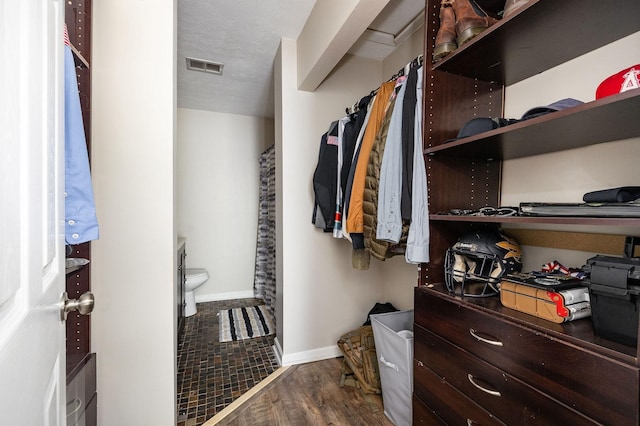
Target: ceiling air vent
{"type": "Point", "coordinates": [204, 66]}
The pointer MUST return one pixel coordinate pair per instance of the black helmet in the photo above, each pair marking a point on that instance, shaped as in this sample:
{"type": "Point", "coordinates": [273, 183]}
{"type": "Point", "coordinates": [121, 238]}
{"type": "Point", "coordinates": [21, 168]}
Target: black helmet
{"type": "Point", "coordinates": [481, 258]}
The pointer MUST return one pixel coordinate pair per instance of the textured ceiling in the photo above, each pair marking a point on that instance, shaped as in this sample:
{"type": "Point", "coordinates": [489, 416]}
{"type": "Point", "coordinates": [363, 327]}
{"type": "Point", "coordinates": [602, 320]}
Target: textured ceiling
{"type": "Point", "coordinates": [244, 35]}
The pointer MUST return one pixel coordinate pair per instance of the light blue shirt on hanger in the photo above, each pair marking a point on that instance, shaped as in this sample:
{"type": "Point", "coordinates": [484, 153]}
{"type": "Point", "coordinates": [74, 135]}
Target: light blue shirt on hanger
{"type": "Point", "coordinates": [81, 224]}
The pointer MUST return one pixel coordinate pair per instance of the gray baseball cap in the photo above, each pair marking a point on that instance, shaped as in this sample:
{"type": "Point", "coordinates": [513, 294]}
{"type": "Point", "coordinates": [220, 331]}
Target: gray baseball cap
{"type": "Point", "coordinates": [556, 106]}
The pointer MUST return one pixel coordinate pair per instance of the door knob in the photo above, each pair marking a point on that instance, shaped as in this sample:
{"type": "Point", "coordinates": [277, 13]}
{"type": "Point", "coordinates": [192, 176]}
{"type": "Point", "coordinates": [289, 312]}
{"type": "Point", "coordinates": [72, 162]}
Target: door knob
{"type": "Point", "coordinates": [83, 304]}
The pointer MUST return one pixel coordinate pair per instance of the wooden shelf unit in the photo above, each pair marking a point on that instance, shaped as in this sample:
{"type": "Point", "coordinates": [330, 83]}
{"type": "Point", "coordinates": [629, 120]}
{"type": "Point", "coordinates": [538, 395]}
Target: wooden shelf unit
{"type": "Point", "coordinates": [467, 174]}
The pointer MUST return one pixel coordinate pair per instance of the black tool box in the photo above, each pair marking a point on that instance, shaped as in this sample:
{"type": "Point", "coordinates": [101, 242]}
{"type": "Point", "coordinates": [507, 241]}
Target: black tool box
{"type": "Point", "coordinates": [614, 290]}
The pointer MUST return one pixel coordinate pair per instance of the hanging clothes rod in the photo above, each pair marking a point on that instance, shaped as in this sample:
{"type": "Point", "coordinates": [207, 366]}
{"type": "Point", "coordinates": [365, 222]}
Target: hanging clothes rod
{"type": "Point", "coordinates": [416, 62]}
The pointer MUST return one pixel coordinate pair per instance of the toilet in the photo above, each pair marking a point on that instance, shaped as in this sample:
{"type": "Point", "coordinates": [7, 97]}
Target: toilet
{"type": "Point", "coordinates": [195, 278]}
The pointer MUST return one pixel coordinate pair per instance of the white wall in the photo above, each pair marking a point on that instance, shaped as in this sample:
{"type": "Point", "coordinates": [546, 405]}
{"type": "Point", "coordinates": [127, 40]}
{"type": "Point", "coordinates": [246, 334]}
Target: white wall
{"type": "Point", "coordinates": [133, 262]}
{"type": "Point", "coordinates": [408, 50]}
{"type": "Point", "coordinates": [218, 180]}
{"type": "Point", "coordinates": [320, 296]}
{"type": "Point", "coordinates": [565, 176]}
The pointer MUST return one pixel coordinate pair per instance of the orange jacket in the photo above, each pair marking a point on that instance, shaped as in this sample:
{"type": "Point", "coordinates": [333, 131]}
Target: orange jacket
{"type": "Point", "coordinates": [355, 221]}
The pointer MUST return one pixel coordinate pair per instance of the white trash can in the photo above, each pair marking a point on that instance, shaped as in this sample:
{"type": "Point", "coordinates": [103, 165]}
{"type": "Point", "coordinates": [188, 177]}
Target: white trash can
{"type": "Point", "coordinates": [393, 336]}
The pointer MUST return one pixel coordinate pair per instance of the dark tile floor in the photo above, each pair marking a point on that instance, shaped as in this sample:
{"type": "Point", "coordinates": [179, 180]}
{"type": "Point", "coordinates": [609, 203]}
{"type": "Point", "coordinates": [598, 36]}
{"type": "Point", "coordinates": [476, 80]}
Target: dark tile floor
{"type": "Point", "coordinates": [211, 375]}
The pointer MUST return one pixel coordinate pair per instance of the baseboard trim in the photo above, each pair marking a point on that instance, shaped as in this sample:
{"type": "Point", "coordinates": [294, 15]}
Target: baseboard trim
{"type": "Point", "coordinates": [310, 356]}
{"type": "Point", "coordinates": [277, 350]}
{"type": "Point", "coordinates": [201, 298]}
{"type": "Point", "coordinates": [319, 354]}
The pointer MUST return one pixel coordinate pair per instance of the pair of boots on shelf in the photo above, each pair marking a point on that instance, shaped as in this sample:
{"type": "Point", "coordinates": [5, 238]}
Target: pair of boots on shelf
{"type": "Point", "coordinates": [462, 20]}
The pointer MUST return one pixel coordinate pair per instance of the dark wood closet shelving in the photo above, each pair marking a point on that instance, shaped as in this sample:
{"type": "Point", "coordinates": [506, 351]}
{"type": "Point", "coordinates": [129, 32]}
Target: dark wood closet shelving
{"type": "Point", "coordinates": [78, 20]}
{"type": "Point", "coordinates": [81, 363]}
{"type": "Point", "coordinates": [551, 220]}
{"type": "Point", "coordinates": [608, 119]}
{"type": "Point", "coordinates": [553, 373]}
{"type": "Point", "coordinates": [545, 34]}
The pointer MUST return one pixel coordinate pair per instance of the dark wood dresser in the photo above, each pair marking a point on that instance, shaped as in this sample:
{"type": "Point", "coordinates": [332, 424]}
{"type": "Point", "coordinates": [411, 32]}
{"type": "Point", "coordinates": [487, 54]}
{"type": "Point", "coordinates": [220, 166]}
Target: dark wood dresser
{"type": "Point", "coordinates": [479, 363]}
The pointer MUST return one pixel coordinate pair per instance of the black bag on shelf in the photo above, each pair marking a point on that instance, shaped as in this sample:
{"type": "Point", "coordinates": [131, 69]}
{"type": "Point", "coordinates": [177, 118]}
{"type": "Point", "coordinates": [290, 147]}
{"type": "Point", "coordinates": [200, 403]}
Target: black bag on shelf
{"type": "Point", "coordinates": [621, 194]}
{"type": "Point", "coordinates": [614, 291]}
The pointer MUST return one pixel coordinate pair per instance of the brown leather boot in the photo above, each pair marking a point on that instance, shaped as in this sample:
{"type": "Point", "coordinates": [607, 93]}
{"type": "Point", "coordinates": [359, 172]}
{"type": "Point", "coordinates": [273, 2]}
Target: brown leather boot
{"type": "Point", "coordinates": [446, 36]}
{"type": "Point", "coordinates": [471, 20]}
{"type": "Point", "coordinates": [512, 6]}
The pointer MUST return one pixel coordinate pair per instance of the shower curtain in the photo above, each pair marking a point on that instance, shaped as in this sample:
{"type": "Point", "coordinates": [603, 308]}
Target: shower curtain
{"type": "Point", "coordinates": [264, 284]}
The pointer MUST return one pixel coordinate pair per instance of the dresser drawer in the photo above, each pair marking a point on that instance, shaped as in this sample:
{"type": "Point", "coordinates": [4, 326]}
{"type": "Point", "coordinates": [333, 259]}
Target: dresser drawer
{"type": "Point", "coordinates": [448, 403]}
{"type": "Point", "coordinates": [423, 415]}
{"type": "Point", "coordinates": [502, 395]}
{"type": "Point", "coordinates": [81, 389]}
{"type": "Point", "coordinates": [602, 389]}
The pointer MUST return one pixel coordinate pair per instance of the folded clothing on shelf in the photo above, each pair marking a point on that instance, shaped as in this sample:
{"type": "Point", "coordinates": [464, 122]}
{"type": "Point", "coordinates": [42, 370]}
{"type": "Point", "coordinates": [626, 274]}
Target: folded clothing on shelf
{"type": "Point", "coordinates": [621, 194]}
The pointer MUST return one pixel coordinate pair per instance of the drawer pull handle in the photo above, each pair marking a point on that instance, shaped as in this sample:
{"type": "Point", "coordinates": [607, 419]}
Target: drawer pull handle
{"type": "Point", "coordinates": [389, 364]}
{"type": "Point", "coordinates": [483, 389]}
{"type": "Point", "coordinates": [482, 339]}
{"type": "Point", "coordinates": [78, 405]}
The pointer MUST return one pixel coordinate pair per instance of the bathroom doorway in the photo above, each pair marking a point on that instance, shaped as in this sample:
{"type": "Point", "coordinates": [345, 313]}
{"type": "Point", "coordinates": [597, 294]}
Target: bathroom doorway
{"type": "Point", "coordinates": [211, 375]}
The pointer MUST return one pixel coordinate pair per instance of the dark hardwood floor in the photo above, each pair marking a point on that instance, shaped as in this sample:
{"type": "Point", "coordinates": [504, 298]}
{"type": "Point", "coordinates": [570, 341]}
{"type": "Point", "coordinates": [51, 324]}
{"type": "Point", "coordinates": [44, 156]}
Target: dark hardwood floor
{"type": "Point", "coordinates": [307, 394]}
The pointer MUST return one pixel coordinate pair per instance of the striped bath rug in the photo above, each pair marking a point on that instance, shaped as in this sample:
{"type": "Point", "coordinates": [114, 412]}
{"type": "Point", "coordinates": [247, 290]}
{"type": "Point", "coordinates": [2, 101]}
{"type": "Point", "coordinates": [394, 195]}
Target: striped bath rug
{"type": "Point", "coordinates": [245, 323]}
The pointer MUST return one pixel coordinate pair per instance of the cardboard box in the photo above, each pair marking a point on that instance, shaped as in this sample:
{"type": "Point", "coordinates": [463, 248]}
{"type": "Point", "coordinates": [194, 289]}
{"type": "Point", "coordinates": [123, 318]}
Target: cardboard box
{"type": "Point", "coordinates": [555, 306]}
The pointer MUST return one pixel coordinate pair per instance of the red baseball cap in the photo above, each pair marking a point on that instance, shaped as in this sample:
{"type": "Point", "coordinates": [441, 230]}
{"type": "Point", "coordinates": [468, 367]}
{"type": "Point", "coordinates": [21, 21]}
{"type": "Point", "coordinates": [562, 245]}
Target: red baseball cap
{"type": "Point", "coordinates": [627, 79]}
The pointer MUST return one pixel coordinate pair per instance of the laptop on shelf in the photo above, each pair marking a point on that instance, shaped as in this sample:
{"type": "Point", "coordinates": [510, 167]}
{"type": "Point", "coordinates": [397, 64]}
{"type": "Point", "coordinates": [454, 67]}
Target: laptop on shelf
{"type": "Point", "coordinates": [630, 209]}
